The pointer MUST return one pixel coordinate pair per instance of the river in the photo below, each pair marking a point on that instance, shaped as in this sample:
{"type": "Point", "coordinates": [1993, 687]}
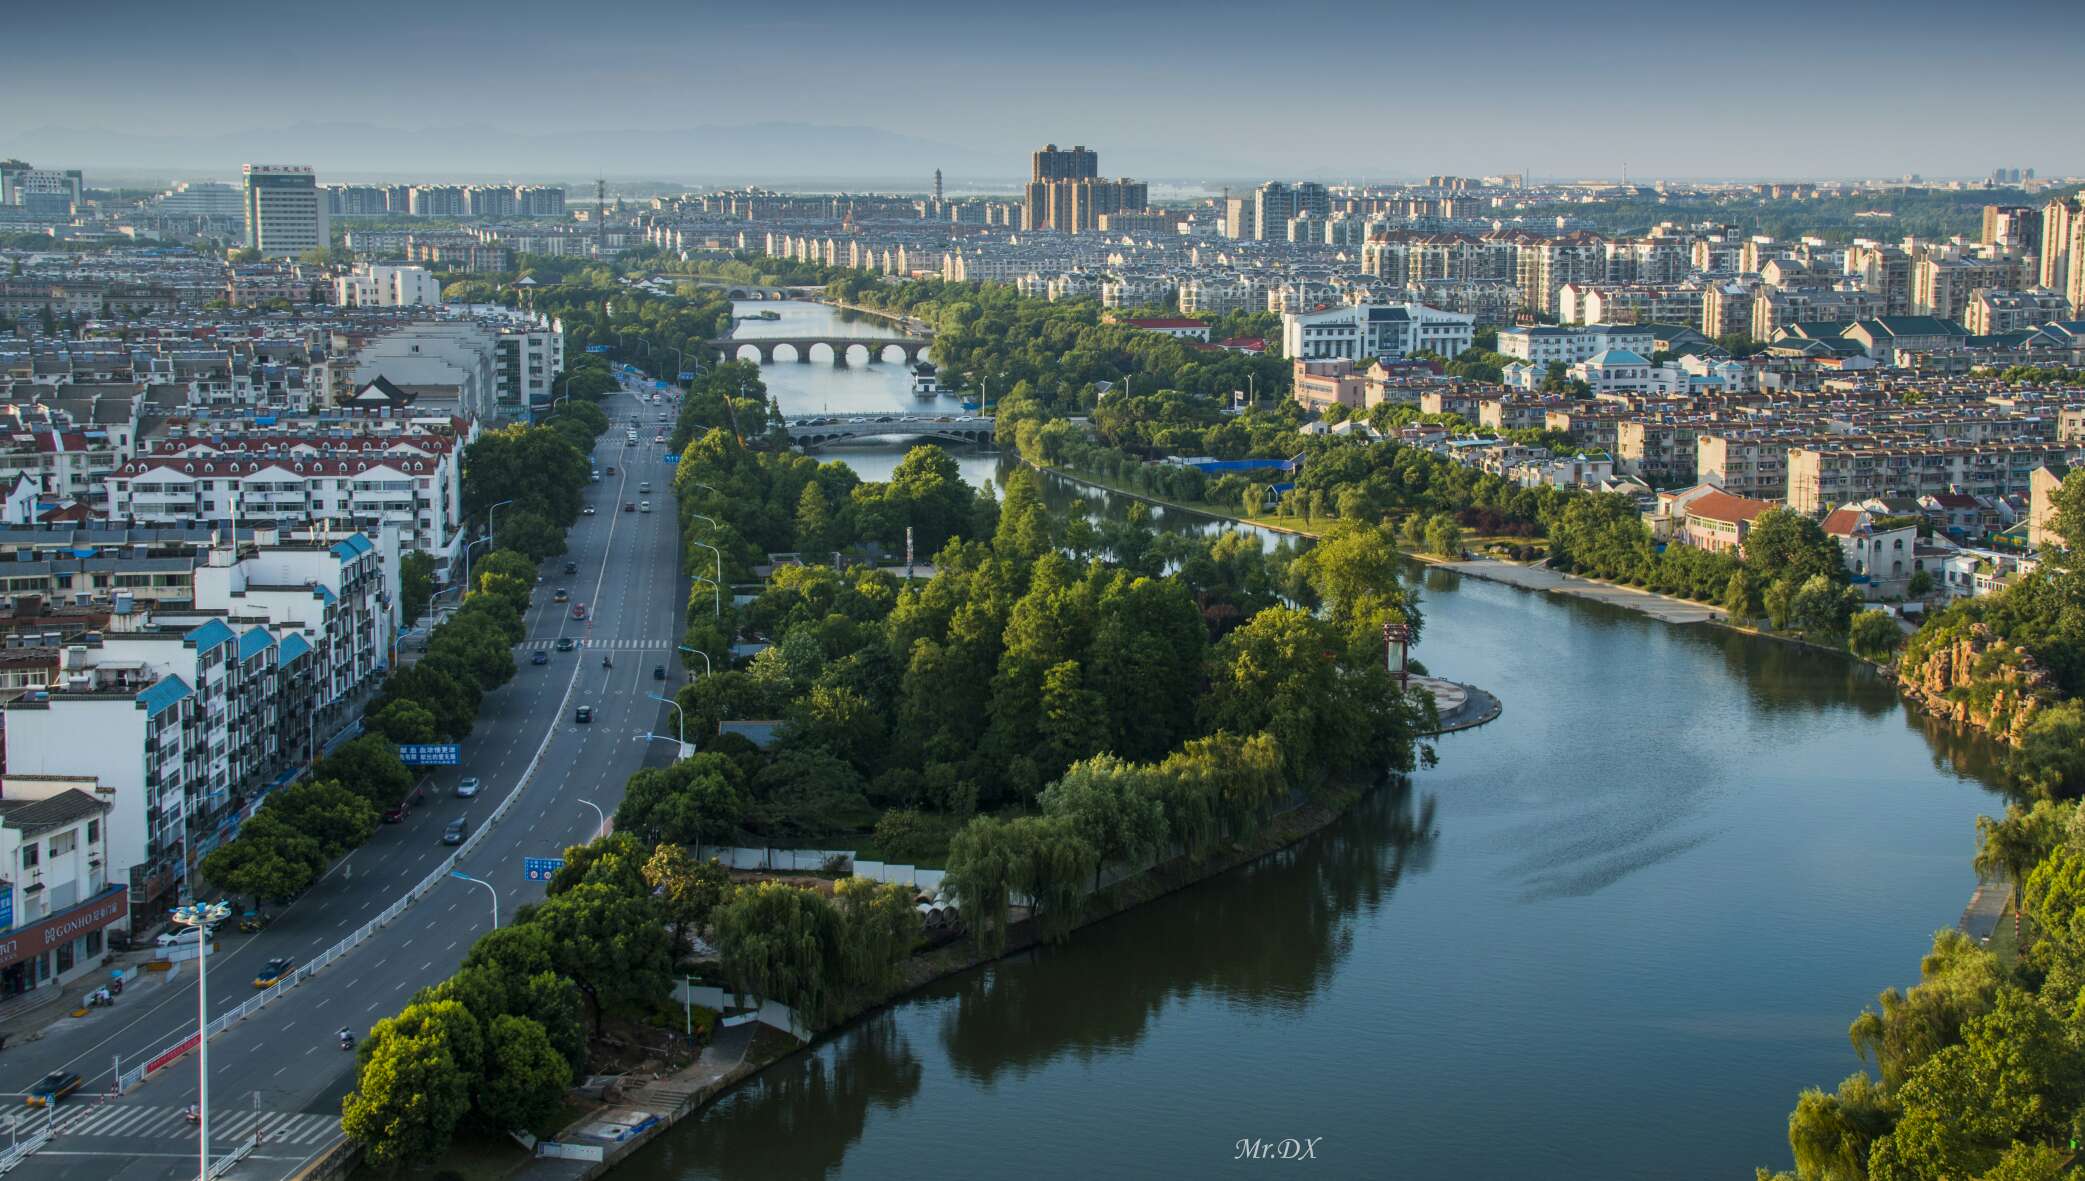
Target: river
{"type": "Point", "coordinates": [1611, 935]}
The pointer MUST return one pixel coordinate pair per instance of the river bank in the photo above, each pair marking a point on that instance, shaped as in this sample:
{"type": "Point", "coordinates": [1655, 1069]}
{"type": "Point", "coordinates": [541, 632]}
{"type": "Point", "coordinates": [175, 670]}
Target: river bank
{"type": "Point", "coordinates": [699, 1086]}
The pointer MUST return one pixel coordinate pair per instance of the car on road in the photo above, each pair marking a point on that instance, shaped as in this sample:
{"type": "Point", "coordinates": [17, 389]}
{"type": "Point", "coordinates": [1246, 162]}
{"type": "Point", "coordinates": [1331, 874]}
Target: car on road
{"type": "Point", "coordinates": [52, 1087]}
{"type": "Point", "coordinates": [539, 656]}
{"type": "Point", "coordinates": [588, 511]}
{"type": "Point", "coordinates": [645, 487]}
{"type": "Point", "coordinates": [458, 829]}
{"type": "Point", "coordinates": [611, 469]}
{"type": "Point", "coordinates": [171, 938]}
{"type": "Point", "coordinates": [395, 814]}
{"type": "Point", "coordinates": [644, 506]}
{"type": "Point", "coordinates": [629, 506]}
{"type": "Point", "coordinates": [571, 567]}
{"type": "Point", "coordinates": [561, 595]}
{"type": "Point", "coordinates": [658, 438]}
{"type": "Point", "coordinates": [583, 715]}
{"type": "Point", "coordinates": [579, 610]}
{"type": "Point", "coordinates": [273, 971]}
{"type": "Point", "coordinates": [564, 643]}
{"type": "Point", "coordinates": [658, 672]}
{"type": "Point", "coordinates": [467, 787]}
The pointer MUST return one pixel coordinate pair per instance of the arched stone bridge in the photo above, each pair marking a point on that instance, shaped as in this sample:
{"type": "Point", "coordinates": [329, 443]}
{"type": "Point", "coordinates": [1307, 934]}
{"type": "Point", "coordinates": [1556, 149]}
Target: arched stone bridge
{"type": "Point", "coordinates": [749, 291]}
{"type": "Point", "coordinates": [810, 433]}
{"type": "Point", "coordinates": [838, 348]}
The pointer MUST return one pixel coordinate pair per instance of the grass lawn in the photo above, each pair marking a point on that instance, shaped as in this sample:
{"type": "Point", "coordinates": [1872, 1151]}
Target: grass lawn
{"type": "Point", "coordinates": [2005, 945]}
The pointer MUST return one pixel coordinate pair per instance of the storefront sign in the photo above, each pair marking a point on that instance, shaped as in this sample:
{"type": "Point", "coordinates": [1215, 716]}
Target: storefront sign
{"type": "Point", "coordinates": [110, 906]}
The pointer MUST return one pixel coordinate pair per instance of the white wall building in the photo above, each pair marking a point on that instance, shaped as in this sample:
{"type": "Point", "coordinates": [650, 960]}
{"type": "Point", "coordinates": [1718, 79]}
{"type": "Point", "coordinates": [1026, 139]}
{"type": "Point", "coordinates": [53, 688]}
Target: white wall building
{"type": "Point", "coordinates": [56, 898]}
{"type": "Point", "coordinates": [1366, 331]}
{"type": "Point", "coordinates": [1541, 344]}
{"type": "Point", "coordinates": [285, 212]}
{"type": "Point", "coordinates": [375, 285]}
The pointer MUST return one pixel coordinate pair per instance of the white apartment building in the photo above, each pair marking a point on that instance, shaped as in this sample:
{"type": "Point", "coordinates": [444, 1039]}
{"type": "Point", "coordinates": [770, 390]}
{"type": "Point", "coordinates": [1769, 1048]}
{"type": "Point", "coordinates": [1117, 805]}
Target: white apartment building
{"type": "Point", "coordinates": [1364, 332]}
{"type": "Point", "coordinates": [56, 899]}
{"type": "Point", "coordinates": [1620, 371]}
{"type": "Point", "coordinates": [1541, 344]}
{"type": "Point", "coordinates": [312, 484]}
{"type": "Point", "coordinates": [285, 212]}
{"type": "Point", "coordinates": [374, 285]}
{"type": "Point", "coordinates": [449, 358]}
{"type": "Point", "coordinates": [186, 719]}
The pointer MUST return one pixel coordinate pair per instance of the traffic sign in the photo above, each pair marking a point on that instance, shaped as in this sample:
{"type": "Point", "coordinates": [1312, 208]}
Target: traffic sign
{"type": "Point", "coordinates": [540, 869]}
{"type": "Point", "coordinates": [687, 376]}
{"type": "Point", "coordinates": [597, 348]}
{"type": "Point", "coordinates": [430, 754]}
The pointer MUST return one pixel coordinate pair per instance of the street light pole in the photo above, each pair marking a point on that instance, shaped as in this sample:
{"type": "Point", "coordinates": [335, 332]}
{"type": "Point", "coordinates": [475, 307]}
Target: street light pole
{"type": "Point", "coordinates": [717, 583]}
{"type": "Point", "coordinates": [201, 917]}
{"type": "Point", "coordinates": [486, 540]}
{"type": "Point", "coordinates": [716, 595]}
{"type": "Point", "coordinates": [698, 652]}
{"type": "Point", "coordinates": [680, 715]}
{"type": "Point", "coordinates": [491, 524]}
{"type": "Point", "coordinates": [457, 873]}
{"type": "Point", "coordinates": [603, 817]}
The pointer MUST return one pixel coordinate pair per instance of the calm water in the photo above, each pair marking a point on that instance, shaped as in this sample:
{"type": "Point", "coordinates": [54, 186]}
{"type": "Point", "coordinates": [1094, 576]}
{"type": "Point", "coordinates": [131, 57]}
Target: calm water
{"type": "Point", "coordinates": [1610, 936]}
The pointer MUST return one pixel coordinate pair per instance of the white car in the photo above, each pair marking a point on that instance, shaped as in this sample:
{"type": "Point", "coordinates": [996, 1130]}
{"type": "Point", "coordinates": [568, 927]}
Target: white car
{"type": "Point", "coordinates": [179, 935]}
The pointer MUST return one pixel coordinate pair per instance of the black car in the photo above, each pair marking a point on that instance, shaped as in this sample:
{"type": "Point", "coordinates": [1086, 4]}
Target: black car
{"type": "Point", "coordinates": [540, 657]}
{"type": "Point", "coordinates": [658, 672]}
{"type": "Point", "coordinates": [564, 643]}
{"type": "Point", "coordinates": [571, 567]}
{"type": "Point", "coordinates": [458, 829]}
{"type": "Point", "coordinates": [583, 714]}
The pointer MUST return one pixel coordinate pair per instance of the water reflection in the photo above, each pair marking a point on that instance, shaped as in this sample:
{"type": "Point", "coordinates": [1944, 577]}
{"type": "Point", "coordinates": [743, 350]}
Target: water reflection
{"type": "Point", "coordinates": [798, 1117]}
{"type": "Point", "coordinates": [1265, 937]}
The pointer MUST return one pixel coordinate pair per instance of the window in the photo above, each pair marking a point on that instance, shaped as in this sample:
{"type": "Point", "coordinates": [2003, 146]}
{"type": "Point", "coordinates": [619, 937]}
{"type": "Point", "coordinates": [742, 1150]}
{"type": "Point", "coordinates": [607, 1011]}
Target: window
{"type": "Point", "coordinates": [29, 855]}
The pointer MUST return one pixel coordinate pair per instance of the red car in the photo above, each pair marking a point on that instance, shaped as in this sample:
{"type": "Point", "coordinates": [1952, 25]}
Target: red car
{"type": "Point", "coordinates": [579, 610]}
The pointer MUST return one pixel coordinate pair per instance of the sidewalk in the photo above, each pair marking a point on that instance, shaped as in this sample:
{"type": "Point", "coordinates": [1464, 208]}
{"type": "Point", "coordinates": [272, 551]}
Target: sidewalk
{"type": "Point", "coordinates": [37, 1017]}
{"type": "Point", "coordinates": [723, 1062]}
{"type": "Point", "coordinates": [1541, 578]}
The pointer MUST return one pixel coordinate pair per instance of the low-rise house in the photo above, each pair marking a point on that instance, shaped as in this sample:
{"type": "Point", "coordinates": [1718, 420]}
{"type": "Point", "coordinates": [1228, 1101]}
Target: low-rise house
{"type": "Point", "coordinates": [1878, 550]}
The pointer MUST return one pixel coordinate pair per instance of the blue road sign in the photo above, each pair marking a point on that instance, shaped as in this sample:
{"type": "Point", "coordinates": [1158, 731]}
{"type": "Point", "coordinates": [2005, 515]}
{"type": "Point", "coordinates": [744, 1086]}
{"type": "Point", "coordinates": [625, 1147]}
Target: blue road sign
{"type": "Point", "coordinates": [597, 348]}
{"type": "Point", "coordinates": [539, 869]}
{"type": "Point", "coordinates": [687, 376]}
{"type": "Point", "coordinates": [430, 754]}
{"type": "Point", "coordinates": [672, 458]}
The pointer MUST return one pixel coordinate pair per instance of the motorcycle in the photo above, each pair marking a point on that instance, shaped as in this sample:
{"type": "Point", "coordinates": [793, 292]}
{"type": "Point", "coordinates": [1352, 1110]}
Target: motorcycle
{"type": "Point", "coordinates": [606, 662]}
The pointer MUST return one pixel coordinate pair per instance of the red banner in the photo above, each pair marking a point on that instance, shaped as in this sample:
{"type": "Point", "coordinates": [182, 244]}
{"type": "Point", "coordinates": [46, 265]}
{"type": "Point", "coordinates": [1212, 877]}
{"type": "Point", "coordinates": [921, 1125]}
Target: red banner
{"type": "Point", "coordinates": [172, 1052]}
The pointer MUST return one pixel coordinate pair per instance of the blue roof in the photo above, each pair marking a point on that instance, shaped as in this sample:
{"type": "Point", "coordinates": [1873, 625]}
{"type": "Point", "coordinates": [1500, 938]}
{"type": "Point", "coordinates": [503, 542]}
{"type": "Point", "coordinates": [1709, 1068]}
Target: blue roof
{"type": "Point", "coordinates": [254, 642]}
{"type": "Point", "coordinates": [324, 594]}
{"type": "Point", "coordinates": [210, 635]}
{"type": "Point", "coordinates": [1618, 357]}
{"type": "Point", "coordinates": [162, 695]}
{"type": "Point", "coordinates": [353, 546]}
{"type": "Point", "coordinates": [293, 646]}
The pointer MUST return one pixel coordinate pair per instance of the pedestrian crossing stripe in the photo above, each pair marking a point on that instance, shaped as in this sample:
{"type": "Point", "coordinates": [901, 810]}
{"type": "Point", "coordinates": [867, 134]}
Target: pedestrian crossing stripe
{"type": "Point", "coordinates": [129, 1121]}
{"type": "Point", "coordinates": [607, 645]}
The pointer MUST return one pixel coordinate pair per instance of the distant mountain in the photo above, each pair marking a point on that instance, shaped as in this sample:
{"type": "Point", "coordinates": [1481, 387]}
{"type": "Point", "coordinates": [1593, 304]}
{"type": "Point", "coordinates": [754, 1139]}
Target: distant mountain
{"type": "Point", "coordinates": [780, 151]}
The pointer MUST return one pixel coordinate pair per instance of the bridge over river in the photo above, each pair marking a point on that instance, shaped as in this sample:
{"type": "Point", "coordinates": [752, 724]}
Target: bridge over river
{"type": "Point", "coordinates": [840, 350]}
{"type": "Point", "coordinates": [813, 432]}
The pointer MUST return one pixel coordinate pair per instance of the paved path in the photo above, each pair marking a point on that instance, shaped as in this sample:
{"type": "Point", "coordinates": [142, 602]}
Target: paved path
{"type": "Point", "coordinates": [1985, 910]}
{"type": "Point", "coordinates": [1459, 706]}
{"type": "Point", "coordinates": [1541, 578]}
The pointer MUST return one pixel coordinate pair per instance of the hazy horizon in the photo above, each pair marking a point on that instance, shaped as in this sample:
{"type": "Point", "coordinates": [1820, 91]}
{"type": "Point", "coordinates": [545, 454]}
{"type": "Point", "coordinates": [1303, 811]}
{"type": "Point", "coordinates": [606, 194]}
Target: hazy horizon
{"type": "Point", "coordinates": [1223, 92]}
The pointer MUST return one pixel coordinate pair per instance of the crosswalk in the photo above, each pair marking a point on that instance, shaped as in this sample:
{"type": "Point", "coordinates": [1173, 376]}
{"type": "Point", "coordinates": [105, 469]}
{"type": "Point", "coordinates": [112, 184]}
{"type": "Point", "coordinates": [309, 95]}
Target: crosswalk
{"type": "Point", "coordinates": [127, 1121]}
{"type": "Point", "coordinates": [607, 646]}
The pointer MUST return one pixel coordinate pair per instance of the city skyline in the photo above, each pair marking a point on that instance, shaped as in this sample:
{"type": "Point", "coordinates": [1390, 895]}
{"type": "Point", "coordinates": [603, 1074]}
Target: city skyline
{"type": "Point", "coordinates": [1164, 99]}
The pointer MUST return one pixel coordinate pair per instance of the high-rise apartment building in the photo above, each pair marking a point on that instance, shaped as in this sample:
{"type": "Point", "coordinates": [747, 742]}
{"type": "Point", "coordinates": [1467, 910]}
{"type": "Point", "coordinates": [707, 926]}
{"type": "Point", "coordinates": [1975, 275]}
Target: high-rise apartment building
{"type": "Point", "coordinates": [1066, 193]}
{"type": "Point", "coordinates": [1077, 162]}
{"type": "Point", "coordinates": [2058, 218]}
{"type": "Point", "coordinates": [1275, 203]}
{"type": "Point", "coordinates": [285, 213]}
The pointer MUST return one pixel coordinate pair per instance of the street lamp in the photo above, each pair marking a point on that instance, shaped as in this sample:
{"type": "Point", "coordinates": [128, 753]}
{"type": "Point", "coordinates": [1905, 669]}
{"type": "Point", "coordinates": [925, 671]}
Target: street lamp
{"type": "Point", "coordinates": [491, 525]}
{"type": "Point", "coordinates": [680, 715]}
{"type": "Point", "coordinates": [486, 540]}
{"type": "Point", "coordinates": [457, 873]}
{"type": "Point", "coordinates": [698, 652]}
{"type": "Point", "coordinates": [202, 916]}
{"type": "Point", "coordinates": [716, 593]}
{"type": "Point", "coordinates": [602, 826]}
{"type": "Point", "coordinates": [717, 583]}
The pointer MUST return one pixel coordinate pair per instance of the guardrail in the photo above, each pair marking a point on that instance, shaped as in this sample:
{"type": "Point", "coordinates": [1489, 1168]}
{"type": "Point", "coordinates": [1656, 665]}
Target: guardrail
{"type": "Point", "coordinates": [260, 1000]}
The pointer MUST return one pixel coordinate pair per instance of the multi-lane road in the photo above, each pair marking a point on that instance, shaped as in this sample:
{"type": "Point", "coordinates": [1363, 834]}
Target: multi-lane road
{"type": "Point", "coordinates": [281, 1073]}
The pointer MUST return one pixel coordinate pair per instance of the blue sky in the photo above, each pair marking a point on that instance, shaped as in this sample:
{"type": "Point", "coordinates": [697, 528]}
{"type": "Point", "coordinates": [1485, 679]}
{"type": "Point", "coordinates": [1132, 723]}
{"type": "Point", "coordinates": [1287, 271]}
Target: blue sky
{"type": "Point", "coordinates": [1219, 89]}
